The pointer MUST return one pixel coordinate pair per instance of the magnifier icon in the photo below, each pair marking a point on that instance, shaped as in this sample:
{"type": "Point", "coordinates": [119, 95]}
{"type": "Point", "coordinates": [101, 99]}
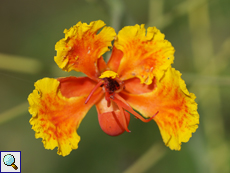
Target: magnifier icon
{"type": "Point", "coordinates": [9, 160]}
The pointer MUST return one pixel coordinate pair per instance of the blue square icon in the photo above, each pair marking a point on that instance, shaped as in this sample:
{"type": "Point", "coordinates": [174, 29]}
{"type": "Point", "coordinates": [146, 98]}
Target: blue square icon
{"type": "Point", "coordinates": [10, 161]}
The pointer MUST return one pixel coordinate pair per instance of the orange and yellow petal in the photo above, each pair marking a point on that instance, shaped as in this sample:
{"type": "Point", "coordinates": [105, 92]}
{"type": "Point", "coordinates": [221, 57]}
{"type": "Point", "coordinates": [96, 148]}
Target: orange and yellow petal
{"type": "Point", "coordinates": [178, 117]}
{"type": "Point", "coordinates": [55, 118]}
{"type": "Point", "coordinates": [115, 59]}
{"type": "Point", "coordinates": [76, 86]}
{"type": "Point", "coordinates": [101, 64]}
{"type": "Point", "coordinates": [134, 86]}
{"type": "Point", "coordinates": [145, 55]}
{"type": "Point", "coordinates": [82, 46]}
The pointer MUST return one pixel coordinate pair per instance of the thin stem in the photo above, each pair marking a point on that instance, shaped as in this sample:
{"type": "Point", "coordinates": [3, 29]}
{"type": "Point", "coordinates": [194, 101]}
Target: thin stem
{"type": "Point", "coordinates": [153, 155]}
{"type": "Point", "coordinates": [20, 64]}
{"type": "Point", "coordinates": [14, 112]}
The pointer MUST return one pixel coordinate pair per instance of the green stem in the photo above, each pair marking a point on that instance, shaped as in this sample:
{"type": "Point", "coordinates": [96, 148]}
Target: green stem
{"type": "Point", "coordinates": [147, 160]}
{"type": "Point", "coordinates": [13, 112]}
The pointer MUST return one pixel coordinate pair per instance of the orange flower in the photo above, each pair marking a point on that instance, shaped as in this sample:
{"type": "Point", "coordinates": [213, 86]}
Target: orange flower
{"type": "Point", "coordinates": [137, 76]}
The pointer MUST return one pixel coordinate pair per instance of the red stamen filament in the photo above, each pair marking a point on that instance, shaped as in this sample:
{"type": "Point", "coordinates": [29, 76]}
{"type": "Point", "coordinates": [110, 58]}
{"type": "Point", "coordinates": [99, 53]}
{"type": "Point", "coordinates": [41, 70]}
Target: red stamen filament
{"type": "Point", "coordinates": [107, 98]}
{"type": "Point", "coordinates": [123, 118]}
{"type": "Point", "coordinates": [122, 103]}
{"type": "Point", "coordinates": [93, 90]}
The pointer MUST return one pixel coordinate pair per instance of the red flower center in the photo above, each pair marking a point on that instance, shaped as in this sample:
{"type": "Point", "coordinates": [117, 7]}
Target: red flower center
{"type": "Point", "coordinates": [112, 86]}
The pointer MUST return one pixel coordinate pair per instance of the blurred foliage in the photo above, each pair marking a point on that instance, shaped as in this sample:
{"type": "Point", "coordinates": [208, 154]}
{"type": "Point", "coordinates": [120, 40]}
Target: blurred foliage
{"type": "Point", "coordinates": [199, 31]}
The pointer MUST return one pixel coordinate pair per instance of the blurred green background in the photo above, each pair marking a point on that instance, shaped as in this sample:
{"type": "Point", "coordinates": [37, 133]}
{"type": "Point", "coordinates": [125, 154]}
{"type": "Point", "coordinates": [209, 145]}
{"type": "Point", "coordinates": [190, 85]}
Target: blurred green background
{"type": "Point", "coordinates": [199, 30]}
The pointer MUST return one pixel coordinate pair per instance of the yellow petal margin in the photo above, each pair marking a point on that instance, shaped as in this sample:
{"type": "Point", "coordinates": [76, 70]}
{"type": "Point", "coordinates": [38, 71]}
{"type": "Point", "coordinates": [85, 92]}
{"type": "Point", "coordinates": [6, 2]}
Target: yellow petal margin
{"type": "Point", "coordinates": [55, 118]}
{"type": "Point", "coordinates": [82, 46]}
{"type": "Point", "coordinates": [145, 55]}
{"type": "Point", "coordinates": [178, 117]}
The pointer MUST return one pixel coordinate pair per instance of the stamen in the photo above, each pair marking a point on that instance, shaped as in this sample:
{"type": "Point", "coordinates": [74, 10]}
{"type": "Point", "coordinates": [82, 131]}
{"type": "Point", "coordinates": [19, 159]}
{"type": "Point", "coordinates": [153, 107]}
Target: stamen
{"type": "Point", "coordinates": [93, 90]}
{"type": "Point", "coordinates": [123, 118]}
{"type": "Point", "coordinates": [107, 98]}
{"type": "Point", "coordinates": [120, 101]}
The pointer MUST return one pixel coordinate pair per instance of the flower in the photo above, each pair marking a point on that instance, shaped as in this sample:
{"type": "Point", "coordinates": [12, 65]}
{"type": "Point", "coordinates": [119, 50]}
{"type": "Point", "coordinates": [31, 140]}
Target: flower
{"type": "Point", "coordinates": [137, 76]}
